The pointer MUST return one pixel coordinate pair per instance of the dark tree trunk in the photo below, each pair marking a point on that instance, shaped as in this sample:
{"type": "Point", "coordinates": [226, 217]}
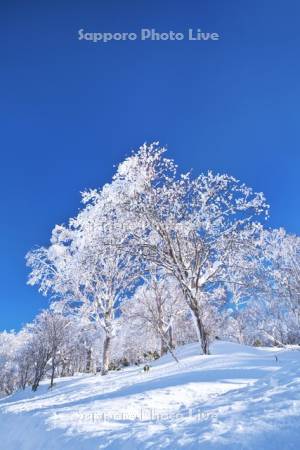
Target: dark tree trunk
{"type": "Point", "coordinates": [89, 361]}
{"type": "Point", "coordinates": [39, 373]}
{"type": "Point", "coordinates": [170, 331]}
{"type": "Point", "coordinates": [37, 378]}
{"type": "Point", "coordinates": [106, 355]}
{"type": "Point", "coordinates": [63, 372]}
{"type": "Point", "coordinates": [163, 346]}
{"type": "Point", "coordinates": [201, 331]}
{"type": "Point", "coordinates": [52, 373]}
{"type": "Point", "coordinates": [166, 341]}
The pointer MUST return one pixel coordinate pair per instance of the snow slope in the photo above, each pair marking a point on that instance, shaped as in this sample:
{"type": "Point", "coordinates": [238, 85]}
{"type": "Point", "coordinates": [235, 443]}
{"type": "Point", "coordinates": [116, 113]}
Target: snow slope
{"type": "Point", "coordinates": [237, 398]}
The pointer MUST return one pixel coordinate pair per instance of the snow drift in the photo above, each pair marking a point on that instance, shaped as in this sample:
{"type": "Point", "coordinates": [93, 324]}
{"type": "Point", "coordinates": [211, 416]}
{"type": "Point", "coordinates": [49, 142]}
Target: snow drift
{"type": "Point", "coordinates": [237, 398]}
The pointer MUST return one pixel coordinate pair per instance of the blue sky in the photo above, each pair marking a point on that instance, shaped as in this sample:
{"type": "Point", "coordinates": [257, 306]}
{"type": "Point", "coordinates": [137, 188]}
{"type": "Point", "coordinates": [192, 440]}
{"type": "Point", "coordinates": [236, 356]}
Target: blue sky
{"type": "Point", "coordinates": [71, 110]}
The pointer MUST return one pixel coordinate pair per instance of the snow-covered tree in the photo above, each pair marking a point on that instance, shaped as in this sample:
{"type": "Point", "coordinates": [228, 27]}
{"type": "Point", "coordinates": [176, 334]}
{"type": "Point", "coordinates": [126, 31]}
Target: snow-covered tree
{"type": "Point", "coordinates": [87, 264]}
{"type": "Point", "coordinates": [277, 309]}
{"type": "Point", "coordinates": [9, 345]}
{"type": "Point", "coordinates": [187, 226]}
{"type": "Point", "coordinates": [158, 302]}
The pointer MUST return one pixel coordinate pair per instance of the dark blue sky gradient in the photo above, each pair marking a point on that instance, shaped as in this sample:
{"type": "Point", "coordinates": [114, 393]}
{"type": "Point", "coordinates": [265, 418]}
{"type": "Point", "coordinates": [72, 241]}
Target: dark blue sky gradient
{"type": "Point", "coordinates": [71, 110]}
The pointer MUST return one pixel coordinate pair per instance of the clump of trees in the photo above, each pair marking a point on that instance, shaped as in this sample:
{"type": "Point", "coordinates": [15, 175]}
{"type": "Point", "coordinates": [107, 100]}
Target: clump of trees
{"type": "Point", "coordinates": [53, 345]}
{"type": "Point", "coordinates": [153, 260]}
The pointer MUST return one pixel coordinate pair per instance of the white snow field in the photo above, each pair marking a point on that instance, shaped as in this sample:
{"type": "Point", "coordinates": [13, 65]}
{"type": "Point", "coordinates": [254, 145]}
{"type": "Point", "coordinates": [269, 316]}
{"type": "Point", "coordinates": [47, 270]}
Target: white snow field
{"type": "Point", "coordinates": [237, 398]}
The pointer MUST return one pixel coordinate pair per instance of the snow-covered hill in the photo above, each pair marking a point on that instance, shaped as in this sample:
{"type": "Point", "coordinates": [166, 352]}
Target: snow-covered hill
{"type": "Point", "coordinates": [237, 398]}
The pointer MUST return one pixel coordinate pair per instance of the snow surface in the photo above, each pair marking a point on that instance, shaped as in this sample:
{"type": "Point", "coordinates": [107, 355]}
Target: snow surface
{"type": "Point", "coordinates": [237, 398]}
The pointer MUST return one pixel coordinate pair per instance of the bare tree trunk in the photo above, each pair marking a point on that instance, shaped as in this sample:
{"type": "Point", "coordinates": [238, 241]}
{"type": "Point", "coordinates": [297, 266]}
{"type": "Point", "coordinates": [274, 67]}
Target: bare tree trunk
{"type": "Point", "coordinates": [203, 336]}
{"type": "Point", "coordinates": [89, 361]}
{"type": "Point", "coordinates": [166, 341]}
{"type": "Point", "coordinates": [35, 385]}
{"type": "Point", "coordinates": [106, 355]}
{"type": "Point", "coordinates": [24, 377]}
{"type": "Point", "coordinates": [39, 370]}
{"type": "Point", "coordinates": [52, 373]}
{"type": "Point", "coordinates": [37, 378]}
{"type": "Point", "coordinates": [171, 344]}
{"type": "Point", "coordinates": [166, 345]}
{"type": "Point", "coordinates": [163, 346]}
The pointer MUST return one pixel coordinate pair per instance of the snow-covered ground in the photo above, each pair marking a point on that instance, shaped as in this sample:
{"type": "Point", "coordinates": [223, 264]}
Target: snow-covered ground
{"type": "Point", "coordinates": [237, 398]}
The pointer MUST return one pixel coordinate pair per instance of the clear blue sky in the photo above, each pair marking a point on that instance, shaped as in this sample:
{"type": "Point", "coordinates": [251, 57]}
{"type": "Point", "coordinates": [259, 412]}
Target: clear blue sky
{"type": "Point", "coordinates": [70, 110]}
